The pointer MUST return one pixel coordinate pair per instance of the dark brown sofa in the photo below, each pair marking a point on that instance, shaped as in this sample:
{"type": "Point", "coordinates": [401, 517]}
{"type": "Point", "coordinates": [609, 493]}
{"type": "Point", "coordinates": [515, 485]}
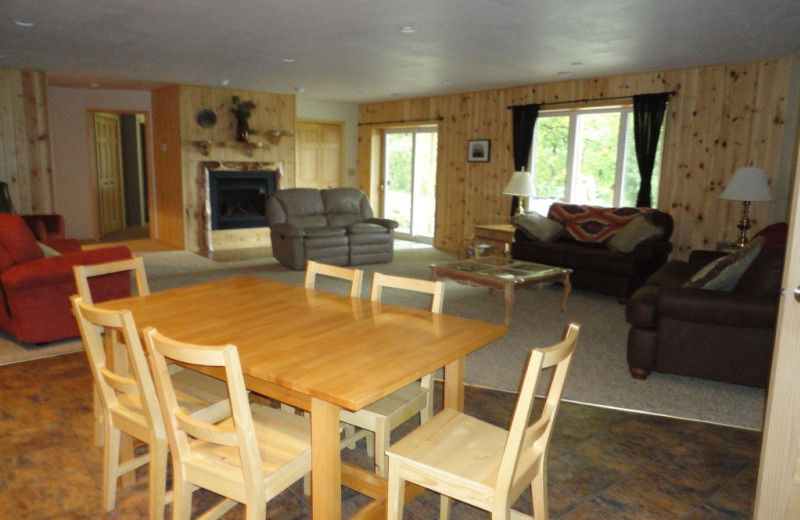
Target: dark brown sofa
{"type": "Point", "coordinates": [712, 334]}
{"type": "Point", "coordinates": [583, 246]}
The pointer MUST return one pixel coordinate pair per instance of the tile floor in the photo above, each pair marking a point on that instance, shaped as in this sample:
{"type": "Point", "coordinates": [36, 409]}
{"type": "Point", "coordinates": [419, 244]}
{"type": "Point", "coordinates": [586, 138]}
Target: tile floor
{"type": "Point", "coordinates": [603, 464]}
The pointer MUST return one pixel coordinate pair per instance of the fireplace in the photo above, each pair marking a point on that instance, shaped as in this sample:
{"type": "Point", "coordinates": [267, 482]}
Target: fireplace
{"type": "Point", "coordinates": [238, 198]}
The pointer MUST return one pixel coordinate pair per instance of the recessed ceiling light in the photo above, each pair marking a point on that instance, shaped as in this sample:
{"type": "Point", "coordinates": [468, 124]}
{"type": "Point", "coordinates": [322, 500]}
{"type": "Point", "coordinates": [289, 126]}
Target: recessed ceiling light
{"type": "Point", "coordinates": [24, 23]}
{"type": "Point", "coordinates": [299, 90]}
{"type": "Point", "coordinates": [288, 60]}
{"type": "Point", "coordinates": [407, 30]}
{"type": "Point", "coordinates": [224, 82]}
{"type": "Point", "coordinates": [563, 73]}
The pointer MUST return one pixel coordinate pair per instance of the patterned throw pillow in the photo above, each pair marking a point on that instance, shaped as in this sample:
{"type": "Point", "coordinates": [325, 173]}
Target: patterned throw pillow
{"type": "Point", "coordinates": [636, 231]}
{"type": "Point", "coordinates": [723, 274]}
{"type": "Point", "coordinates": [538, 227]}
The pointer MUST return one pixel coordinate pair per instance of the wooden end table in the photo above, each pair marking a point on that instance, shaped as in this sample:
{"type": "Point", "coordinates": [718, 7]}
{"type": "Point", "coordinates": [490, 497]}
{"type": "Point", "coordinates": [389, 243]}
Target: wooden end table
{"type": "Point", "coordinates": [498, 236]}
{"type": "Point", "coordinates": [504, 274]}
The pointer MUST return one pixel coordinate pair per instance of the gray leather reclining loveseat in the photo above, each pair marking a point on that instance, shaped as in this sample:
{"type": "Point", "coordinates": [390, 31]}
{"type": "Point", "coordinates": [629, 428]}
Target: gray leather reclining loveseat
{"type": "Point", "coordinates": [334, 226]}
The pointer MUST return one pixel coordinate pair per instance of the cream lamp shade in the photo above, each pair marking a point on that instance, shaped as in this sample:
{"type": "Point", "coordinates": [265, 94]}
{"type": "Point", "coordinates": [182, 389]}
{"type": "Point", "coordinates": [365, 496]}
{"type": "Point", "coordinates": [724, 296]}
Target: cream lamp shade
{"type": "Point", "coordinates": [749, 184]}
{"type": "Point", "coordinates": [521, 185]}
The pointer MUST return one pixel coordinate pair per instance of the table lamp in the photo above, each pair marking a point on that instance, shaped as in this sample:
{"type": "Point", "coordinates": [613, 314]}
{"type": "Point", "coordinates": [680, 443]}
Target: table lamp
{"type": "Point", "coordinates": [749, 184]}
{"type": "Point", "coordinates": [521, 185]}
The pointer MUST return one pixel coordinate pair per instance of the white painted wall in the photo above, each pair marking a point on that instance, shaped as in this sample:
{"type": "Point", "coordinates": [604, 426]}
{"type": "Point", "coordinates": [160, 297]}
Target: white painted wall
{"type": "Point", "coordinates": [330, 111]}
{"type": "Point", "coordinates": [73, 181]}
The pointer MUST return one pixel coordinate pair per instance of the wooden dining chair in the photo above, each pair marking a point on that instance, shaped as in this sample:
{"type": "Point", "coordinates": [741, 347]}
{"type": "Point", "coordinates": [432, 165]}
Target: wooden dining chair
{"type": "Point", "coordinates": [129, 403]}
{"type": "Point", "coordinates": [135, 267]}
{"type": "Point", "coordinates": [354, 276]}
{"type": "Point", "coordinates": [381, 417]}
{"type": "Point", "coordinates": [472, 461]}
{"type": "Point", "coordinates": [248, 458]}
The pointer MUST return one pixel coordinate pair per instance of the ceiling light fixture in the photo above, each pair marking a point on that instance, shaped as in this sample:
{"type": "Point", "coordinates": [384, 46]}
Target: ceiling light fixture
{"type": "Point", "coordinates": [299, 90]}
{"type": "Point", "coordinates": [288, 60]}
{"type": "Point", "coordinates": [407, 30]}
{"type": "Point", "coordinates": [24, 23]}
{"type": "Point", "coordinates": [563, 73]}
{"type": "Point", "coordinates": [224, 82]}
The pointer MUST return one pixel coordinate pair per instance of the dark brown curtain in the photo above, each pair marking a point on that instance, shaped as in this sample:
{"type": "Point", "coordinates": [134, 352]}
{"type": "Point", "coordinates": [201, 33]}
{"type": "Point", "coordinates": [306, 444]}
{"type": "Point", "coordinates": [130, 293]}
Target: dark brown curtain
{"type": "Point", "coordinates": [524, 119]}
{"type": "Point", "coordinates": [648, 115]}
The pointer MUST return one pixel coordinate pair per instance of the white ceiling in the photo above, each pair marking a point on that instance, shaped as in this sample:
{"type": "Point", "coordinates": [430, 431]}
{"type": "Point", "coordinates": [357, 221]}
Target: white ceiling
{"type": "Point", "coordinates": [354, 51]}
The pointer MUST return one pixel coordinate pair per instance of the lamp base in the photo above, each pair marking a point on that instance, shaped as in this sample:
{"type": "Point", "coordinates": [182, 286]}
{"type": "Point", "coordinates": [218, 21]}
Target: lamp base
{"type": "Point", "coordinates": [744, 225]}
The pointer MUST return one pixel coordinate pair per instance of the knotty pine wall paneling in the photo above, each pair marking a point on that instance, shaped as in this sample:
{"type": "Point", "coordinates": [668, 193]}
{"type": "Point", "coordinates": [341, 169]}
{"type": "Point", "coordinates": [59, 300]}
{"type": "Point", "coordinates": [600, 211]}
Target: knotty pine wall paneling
{"type": "Point", "coordinates": [721, 118]}
{"type": "Point", "coordinates": [25, 157]}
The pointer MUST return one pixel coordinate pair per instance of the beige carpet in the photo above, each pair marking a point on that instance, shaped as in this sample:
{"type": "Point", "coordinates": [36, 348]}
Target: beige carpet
{"type": "Point", "coordinates": [599, 374]}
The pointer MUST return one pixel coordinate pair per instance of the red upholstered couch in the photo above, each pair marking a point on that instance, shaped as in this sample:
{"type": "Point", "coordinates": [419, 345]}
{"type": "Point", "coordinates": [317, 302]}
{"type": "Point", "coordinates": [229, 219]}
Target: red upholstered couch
{"type": "Point", "coordinates": [35, 289]}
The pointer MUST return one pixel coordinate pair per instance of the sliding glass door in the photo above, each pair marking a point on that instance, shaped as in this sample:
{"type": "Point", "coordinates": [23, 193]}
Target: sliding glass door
{"type": "Point", "coordinates": [409, 194]}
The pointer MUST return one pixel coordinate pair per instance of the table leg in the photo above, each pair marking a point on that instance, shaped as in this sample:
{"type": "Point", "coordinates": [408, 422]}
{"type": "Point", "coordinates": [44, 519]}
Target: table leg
{"type": "Point", "coordinates": [326, 469]}
{"type": "Point", "coordinates": [567, 289]}
{"type": "Point", "coordinates": [454, 384]}
{"type": "Point", "coordinates": [508, 302]}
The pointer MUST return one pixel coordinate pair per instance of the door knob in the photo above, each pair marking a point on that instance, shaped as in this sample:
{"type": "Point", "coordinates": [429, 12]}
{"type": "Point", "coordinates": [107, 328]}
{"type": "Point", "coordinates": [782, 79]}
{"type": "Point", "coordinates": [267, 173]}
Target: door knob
{"type": "Point", "coordinates": [797, 294]}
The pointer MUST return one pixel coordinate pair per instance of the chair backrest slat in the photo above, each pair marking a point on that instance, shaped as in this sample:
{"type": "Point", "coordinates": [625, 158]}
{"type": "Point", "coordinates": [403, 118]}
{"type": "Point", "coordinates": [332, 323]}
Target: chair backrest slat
{"type": "Point", "coordinates": [354, 276]}
{"type": "Point", "coordinates": [135, 265]}
{"type": "Point", "coordinates": [434, 288]}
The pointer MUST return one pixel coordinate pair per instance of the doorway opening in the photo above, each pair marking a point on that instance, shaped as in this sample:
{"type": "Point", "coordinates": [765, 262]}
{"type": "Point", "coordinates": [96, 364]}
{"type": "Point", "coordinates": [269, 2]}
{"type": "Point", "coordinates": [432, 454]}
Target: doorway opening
{"type": "Point", "coordinates": [121, 171]}
{"type": "Point", "coordinates": [409, 179]}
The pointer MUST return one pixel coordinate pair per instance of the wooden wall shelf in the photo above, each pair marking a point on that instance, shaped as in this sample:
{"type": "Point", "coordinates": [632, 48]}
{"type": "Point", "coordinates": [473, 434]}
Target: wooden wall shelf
{"type": "Point", "coordinates": [274, 136]}
{"type": "Point", "coordinates": [206, 146]}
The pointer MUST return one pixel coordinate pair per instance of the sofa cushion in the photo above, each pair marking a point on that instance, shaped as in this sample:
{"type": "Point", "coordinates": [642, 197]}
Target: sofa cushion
{"type": "Point", "coordinates": [366, 227]}
{"type": "Point", "coordinates": [538, 227]}
{"type": "Point", "coordinates": [764, 276]}
{"type": "Point", "coordinates": [592, 224]}
{"type": "Point", "coordinates": [345, 206]}
{"type": "Point", "coordinates": [324, 231]}
{"type": "Point", "coordinates": [638, 230]}
{"type": "Point", "coordinates": [723, 274]}
{"type": "Point", "coordinates": [18, 240]}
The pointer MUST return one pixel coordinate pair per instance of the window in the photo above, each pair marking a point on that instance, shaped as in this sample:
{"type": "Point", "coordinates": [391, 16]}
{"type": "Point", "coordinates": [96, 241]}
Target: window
{"type": "Point", "coordinates": [587, 157]}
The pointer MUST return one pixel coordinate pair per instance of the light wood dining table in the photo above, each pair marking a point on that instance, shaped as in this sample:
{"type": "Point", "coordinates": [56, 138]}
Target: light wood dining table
{"type": "Point", "coordinates": [321, 352]}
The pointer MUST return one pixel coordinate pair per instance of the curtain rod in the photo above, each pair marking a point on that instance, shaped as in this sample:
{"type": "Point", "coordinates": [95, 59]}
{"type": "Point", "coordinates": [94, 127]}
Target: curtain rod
{"type": "Point", "coordinates": [671, 93]}
{"type": "Point", "coordinates": [439, 118]}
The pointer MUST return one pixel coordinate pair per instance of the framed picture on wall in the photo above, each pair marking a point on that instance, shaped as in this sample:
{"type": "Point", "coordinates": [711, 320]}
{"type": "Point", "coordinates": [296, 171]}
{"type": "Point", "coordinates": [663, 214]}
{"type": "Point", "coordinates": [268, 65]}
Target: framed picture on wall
{"type": "Point", "coordinates": [478, 150]}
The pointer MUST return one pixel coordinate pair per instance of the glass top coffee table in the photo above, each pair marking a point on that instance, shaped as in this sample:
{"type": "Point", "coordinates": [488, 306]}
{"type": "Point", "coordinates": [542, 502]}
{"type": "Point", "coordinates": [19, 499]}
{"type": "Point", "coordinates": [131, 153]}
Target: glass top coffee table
{"type": "Point", "coordinates": [504, 274]}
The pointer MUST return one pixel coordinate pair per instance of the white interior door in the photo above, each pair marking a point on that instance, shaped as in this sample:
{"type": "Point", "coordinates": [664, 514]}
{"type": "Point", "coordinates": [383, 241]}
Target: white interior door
{"type": "Point", "coordinates": [778, 490]}
{"type": "Point", "coordinates": [110, 200]}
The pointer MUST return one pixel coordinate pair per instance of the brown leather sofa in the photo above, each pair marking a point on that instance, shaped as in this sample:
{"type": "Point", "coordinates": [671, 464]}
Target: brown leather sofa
{"type": "Point", "coordinates": [334, 226]}
{"type": "Point", "coordinates": [711, 334]}
{"type": "Point", "coordinates": [595, 266]}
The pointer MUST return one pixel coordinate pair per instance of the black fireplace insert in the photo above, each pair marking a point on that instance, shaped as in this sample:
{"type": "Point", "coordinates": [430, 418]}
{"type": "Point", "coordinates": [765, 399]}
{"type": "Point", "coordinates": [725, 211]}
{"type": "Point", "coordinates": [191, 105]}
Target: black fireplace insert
{"type": "Point", "coordinates": [238, 198]}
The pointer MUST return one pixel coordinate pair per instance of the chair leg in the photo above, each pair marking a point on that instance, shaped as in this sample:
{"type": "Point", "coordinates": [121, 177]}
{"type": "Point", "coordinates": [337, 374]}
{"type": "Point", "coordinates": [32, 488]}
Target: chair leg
{"type": "Point", "coordinates": [396, 493]}
{"type": "Point", "coordinates": [182, 497]}
{"type": "Point", "coordinates": [370, 444]}
{"type": "Point", "coordinates": [445, 503]}
{"type": "Point", "coordinates": [382, 433]}
{"type": "Point", "coordinates": [158, 478]}
{"type": "Point", "coordinates": [111, 441]}
{"type": "Point", "coordinates": [539, 494]}
{"type": "Point", "coordinates": [98, 418]}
